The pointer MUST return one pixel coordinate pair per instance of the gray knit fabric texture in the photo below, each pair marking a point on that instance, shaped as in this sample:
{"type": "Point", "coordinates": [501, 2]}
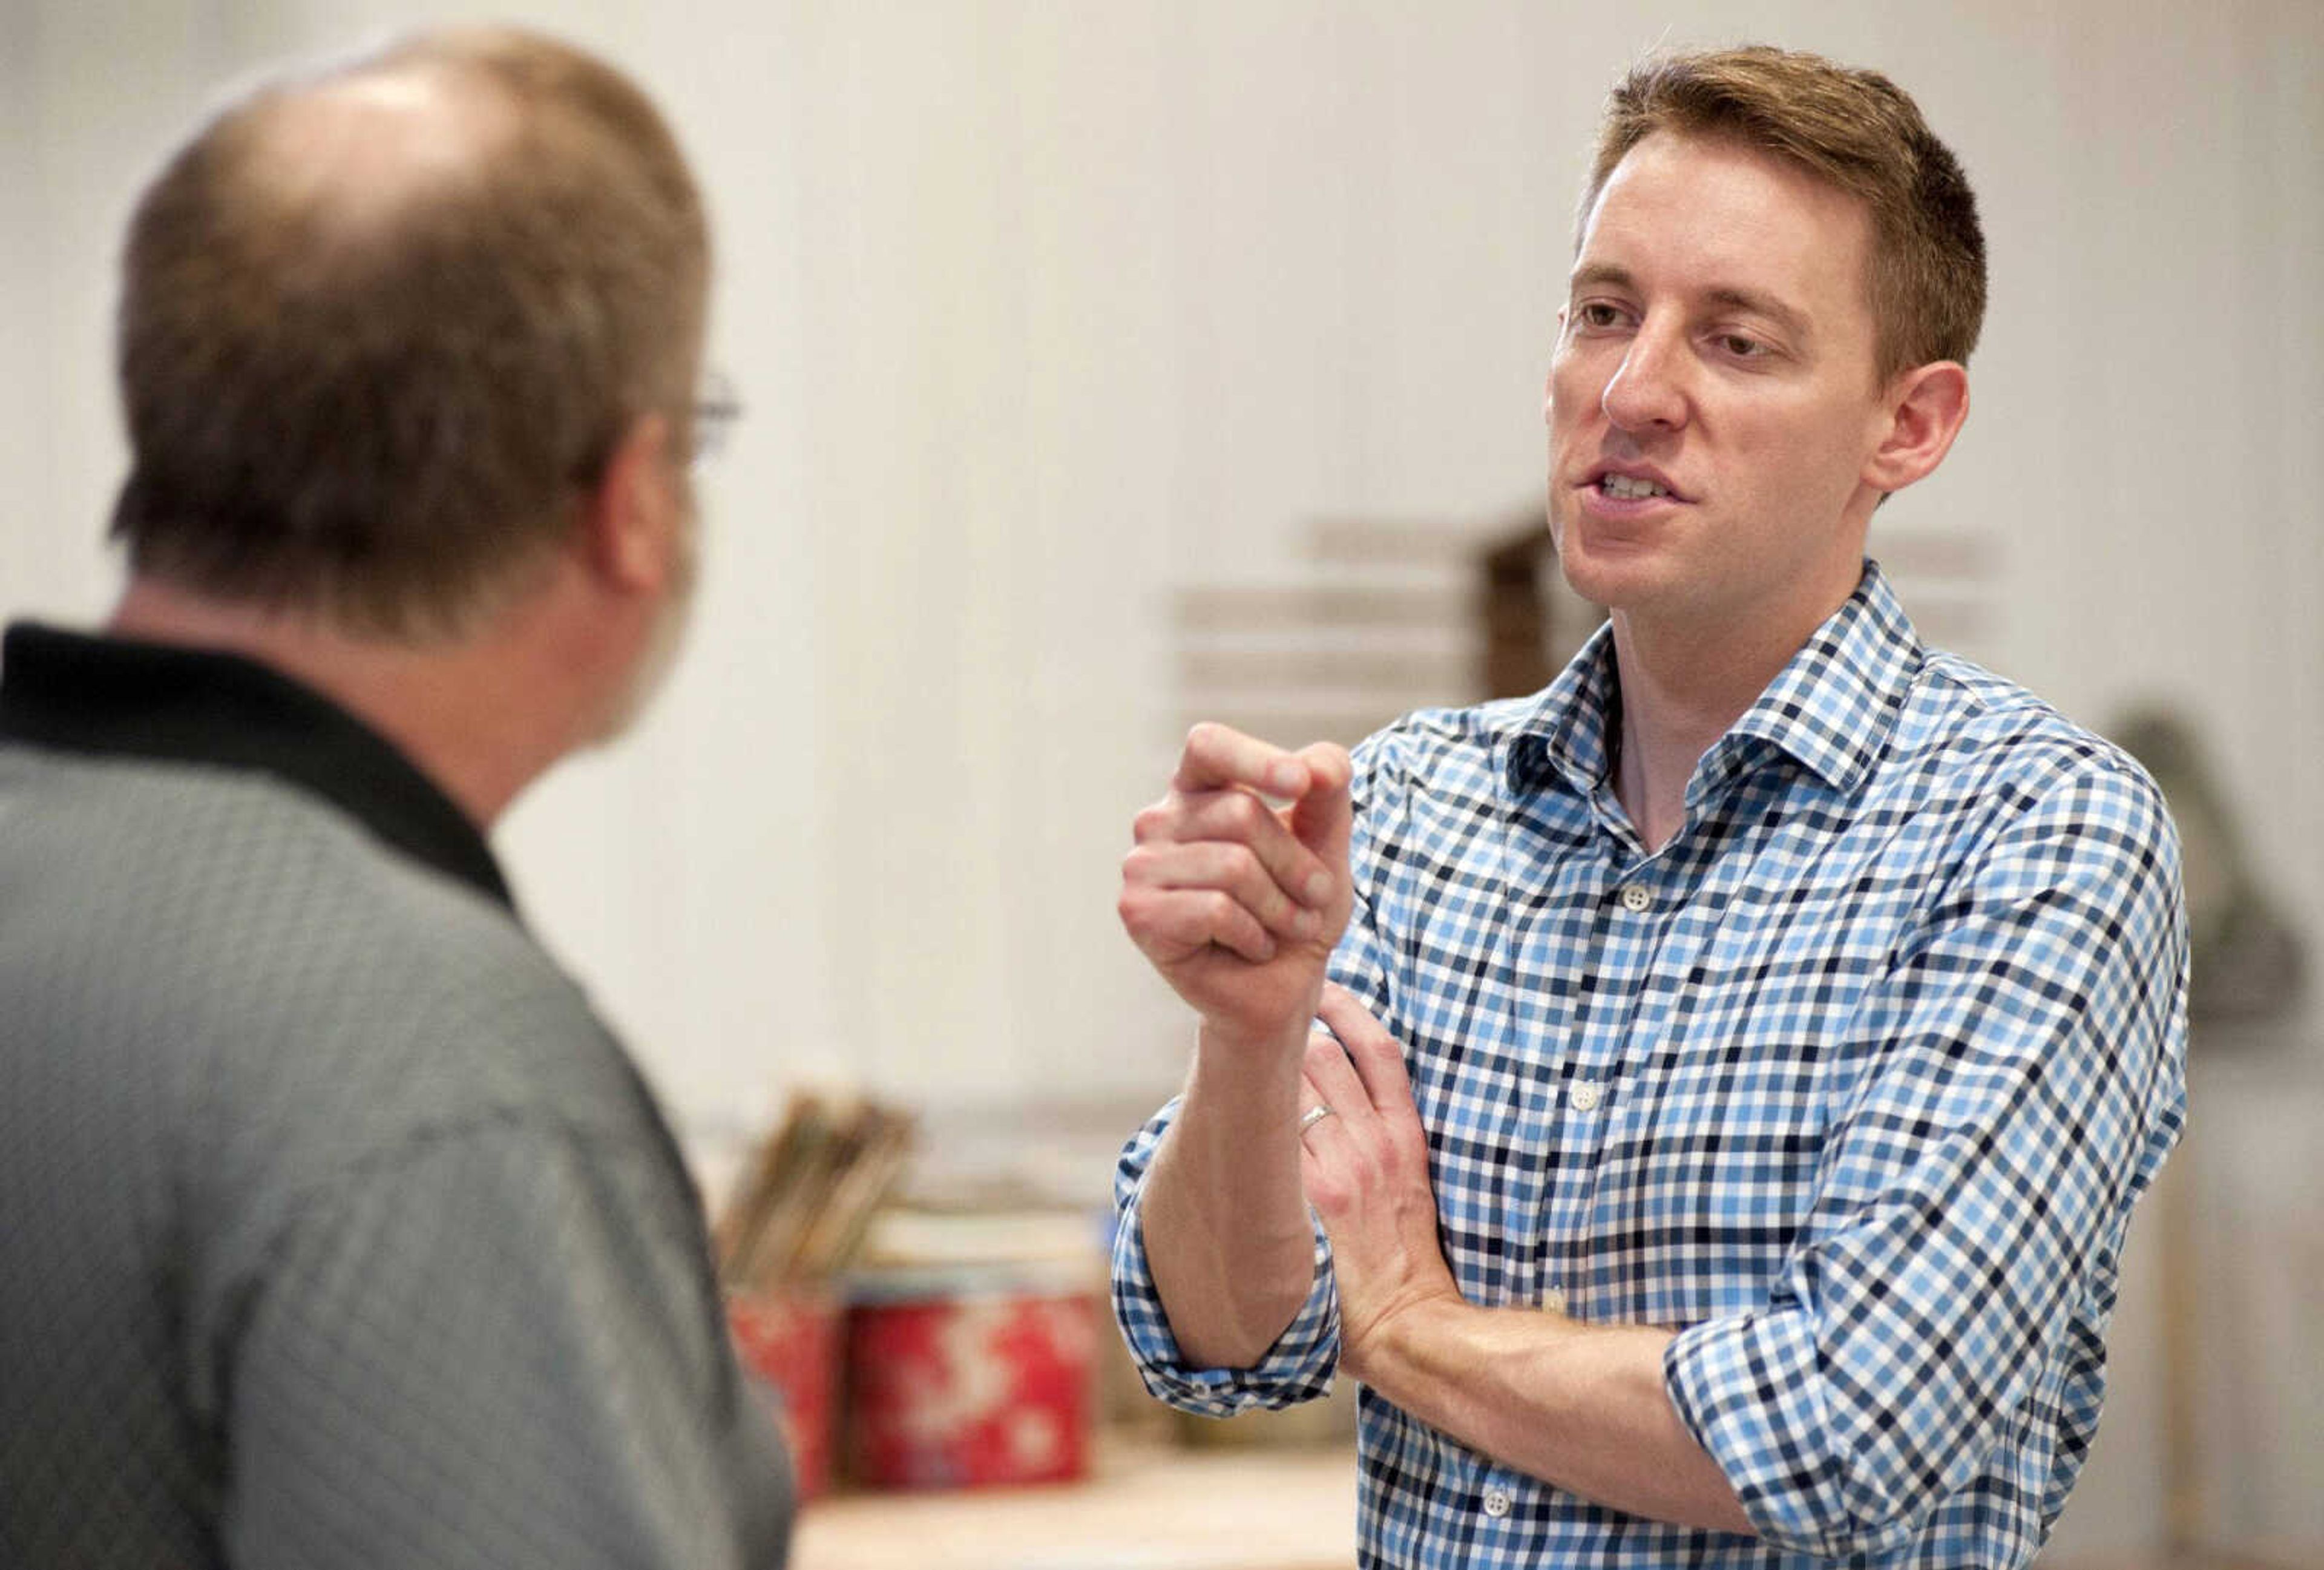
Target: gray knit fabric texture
{"type": "Point", "coordinates": [335, 1228]}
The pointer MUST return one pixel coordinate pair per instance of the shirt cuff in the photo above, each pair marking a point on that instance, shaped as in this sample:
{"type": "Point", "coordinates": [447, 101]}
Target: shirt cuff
{"type": "Point", "coordinates": [1748, 1388]}
{"type": "Point", "coordinates": [1298, 1367]}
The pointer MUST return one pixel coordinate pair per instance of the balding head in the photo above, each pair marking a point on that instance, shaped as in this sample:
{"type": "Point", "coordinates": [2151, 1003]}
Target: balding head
{"type": "Point", "coordinates": [381, 327]}
{"type": "Point", "coordinates": [352, 154]}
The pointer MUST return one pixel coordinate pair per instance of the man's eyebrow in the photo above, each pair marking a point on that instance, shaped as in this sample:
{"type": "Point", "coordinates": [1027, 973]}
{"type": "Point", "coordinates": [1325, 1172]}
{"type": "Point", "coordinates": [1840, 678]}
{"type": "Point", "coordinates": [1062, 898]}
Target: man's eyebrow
{"type": "Point", "coordinates": [1600, 273]}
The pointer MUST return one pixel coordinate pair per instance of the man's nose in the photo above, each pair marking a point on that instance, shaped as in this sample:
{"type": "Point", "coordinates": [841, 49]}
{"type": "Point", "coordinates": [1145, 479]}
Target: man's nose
{"type": "Point", "coordinates": [1644, 390]}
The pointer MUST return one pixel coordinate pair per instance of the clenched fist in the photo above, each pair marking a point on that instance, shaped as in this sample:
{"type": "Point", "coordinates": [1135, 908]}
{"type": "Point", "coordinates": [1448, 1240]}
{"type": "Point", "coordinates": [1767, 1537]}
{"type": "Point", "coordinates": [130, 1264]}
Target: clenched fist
{"type": "Point", "coordinates": [1236, 900]}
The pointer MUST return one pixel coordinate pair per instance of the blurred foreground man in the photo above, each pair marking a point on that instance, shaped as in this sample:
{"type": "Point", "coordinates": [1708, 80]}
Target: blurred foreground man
{"type": "Point", "coordinates": [1748, 1049]}
{"type": "Point", "coordinates": [338, 1230]}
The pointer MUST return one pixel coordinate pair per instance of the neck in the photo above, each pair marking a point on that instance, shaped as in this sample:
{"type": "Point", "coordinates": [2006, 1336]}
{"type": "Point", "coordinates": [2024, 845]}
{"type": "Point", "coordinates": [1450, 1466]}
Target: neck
{"type": "Point", "coordinates": [482, 716]}
{"type": "Point", "coordinates": [1682, 688]}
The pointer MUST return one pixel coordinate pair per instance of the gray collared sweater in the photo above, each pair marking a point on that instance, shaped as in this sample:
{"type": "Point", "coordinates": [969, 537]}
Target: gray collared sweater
{"type": "Point", "coordinates": [335, 1228]}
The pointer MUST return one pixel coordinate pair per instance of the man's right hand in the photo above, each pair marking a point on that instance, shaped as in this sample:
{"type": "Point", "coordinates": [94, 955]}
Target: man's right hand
{"type": "Point", "coordinates": [1239, 903]}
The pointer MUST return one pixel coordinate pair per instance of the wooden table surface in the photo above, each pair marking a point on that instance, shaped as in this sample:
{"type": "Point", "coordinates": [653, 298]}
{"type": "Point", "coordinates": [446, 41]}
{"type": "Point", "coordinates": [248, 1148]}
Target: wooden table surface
{"type": "Point", "coordinates": [1147, 1506]}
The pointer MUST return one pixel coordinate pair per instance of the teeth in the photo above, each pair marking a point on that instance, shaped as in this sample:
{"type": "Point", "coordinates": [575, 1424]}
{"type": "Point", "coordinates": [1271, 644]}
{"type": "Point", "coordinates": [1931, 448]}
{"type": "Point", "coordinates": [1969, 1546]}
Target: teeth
{"type": "Point", "coordinates": [1628, 489]}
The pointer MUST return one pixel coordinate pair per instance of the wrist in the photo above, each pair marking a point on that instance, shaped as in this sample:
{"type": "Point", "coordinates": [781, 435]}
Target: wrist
{"type": "Point", "coordinates": [1243, 1097]}
{"type": "Point", "coordinates": [1250, 1058]}
{"type": "Point", "coordinates": [1397, 1344]}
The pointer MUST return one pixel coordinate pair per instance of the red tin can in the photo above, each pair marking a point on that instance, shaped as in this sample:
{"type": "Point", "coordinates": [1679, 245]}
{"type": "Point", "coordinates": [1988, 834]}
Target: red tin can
{"type": "Point", "coordinates": [970, 1380]}
{"type": "Point", "coordinates": [791, 1340]}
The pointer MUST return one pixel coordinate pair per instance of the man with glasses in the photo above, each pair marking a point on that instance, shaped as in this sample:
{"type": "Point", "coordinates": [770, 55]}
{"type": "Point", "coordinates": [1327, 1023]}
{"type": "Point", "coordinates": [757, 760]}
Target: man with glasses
{"type": "Point", "coordinates": [1747, 1051]}
{"type": "Point", "coordinates": [339, 1229]}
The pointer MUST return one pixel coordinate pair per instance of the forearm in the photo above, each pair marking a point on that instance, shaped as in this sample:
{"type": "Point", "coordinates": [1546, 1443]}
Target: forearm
{"type": "Point", "coordinates": [1228, 1236]}
{"type": "Point", "coordinates": [1582, 1407]}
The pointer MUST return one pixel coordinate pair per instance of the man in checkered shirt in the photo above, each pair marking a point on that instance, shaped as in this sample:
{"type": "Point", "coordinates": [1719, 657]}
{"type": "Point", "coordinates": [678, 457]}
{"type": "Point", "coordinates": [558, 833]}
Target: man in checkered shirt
{"type": "Point", "coordinates": [1744, 1055]}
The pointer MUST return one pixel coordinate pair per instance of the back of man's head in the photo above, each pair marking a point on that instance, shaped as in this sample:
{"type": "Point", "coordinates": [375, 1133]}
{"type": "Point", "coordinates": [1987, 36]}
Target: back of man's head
{"type": "Point", "coordinates": [1852, 129]}
{"type": "Point", "coordinates": [380, 329]}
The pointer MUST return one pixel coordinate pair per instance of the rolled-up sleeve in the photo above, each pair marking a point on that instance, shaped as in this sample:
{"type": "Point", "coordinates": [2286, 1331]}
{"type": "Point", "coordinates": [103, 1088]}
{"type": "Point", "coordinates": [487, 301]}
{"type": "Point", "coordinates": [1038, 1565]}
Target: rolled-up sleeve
{"type": "Point", "coordinates": [1298, 1367]}
{"type": "Point", "coordinates": [2026, 1077]}
{"type": "Point", "coordinates": [1301, 1363]}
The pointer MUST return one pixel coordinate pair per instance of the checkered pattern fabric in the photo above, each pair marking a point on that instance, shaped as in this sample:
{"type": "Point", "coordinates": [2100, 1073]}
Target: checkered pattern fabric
{"type": "Point", "coordinates": [1854, 1083]}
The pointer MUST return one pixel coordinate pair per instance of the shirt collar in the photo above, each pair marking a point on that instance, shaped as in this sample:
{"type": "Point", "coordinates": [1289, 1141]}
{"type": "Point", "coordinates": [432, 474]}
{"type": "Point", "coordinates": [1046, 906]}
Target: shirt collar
{"type": "Point", "coordinates": [1830, 707]}
{"type": "Point", "coordinates": [117, 697]}
{"type": "Point", "coordinates": [1565, 732]}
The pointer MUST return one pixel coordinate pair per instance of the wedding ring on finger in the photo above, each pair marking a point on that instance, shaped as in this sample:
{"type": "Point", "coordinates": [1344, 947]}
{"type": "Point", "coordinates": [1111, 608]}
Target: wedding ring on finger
{"type": "Point", "coordinates": [1312, 1116]}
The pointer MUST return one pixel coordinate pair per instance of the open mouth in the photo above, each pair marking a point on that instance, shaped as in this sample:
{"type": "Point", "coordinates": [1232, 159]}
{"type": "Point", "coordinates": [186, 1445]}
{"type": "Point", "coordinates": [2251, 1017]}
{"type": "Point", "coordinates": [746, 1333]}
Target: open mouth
{"type": "Point", "coordinates": [1622, 487]}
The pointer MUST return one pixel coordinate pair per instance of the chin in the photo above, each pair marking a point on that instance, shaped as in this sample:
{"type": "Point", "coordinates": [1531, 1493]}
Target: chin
{"type": "Point", "coordinates": [1616, 585]}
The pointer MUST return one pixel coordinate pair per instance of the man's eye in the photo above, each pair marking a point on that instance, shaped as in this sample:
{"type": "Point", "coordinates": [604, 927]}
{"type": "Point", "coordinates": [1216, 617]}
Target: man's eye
{"type": "Point", "coordinates": [1597, 313]}
{"type": "Point", "coordinates": [1740, 347]}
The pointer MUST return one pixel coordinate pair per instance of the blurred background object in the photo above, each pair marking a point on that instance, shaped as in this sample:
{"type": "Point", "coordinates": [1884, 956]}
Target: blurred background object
{"type": "Point", "coordinates": [803, 1214]}
{"type": "Point", "coordinates": [2249, 966]}
{"type": "Point", "coordinates": [785, 1241]}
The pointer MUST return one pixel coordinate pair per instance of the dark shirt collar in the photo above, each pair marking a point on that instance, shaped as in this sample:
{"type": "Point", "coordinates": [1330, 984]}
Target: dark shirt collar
{"type": "Point", "coordinates": [120, 698]}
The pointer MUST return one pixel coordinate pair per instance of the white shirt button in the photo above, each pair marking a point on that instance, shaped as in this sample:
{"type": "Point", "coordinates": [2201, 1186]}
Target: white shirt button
{"type": "Point", "coordinates": [1585, 1095]}
{"type": "Point", "coordinates": [1636, 897]}
{"type": "Point", "coordinates": [1497, 1503]}
{"type": "Point", "coordinates": [1553, 1298]}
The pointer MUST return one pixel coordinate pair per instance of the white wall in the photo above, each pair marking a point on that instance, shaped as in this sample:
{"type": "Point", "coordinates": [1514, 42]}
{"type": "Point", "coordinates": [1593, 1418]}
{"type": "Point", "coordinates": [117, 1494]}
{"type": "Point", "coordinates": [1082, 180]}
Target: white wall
{"type": "Point", "coordinates": [1039, 309]}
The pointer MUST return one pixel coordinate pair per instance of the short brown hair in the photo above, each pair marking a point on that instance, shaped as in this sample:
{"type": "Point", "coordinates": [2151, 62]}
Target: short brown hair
{"type": "Point", "coordinates": [372, 381]}
{"type": "Point", "coordinates": [1855, 130]}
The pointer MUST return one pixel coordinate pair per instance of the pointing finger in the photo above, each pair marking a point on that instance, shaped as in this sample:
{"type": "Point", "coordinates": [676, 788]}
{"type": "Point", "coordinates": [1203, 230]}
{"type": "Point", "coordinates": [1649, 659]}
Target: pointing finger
{"type": "Point", "coordinates": [1216, 756]}
{"type": "Point", "coordinates": [1323, 816]}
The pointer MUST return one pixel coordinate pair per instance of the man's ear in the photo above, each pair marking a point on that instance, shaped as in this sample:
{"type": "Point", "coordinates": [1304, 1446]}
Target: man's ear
{"type": "Point", "coordinates": [631, 520]}
{"type": "Point", "coordinates": [1926, 406]}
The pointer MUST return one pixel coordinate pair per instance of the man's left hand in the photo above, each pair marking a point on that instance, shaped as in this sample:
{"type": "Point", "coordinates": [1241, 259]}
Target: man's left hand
{"type": "Point", "coordinates": [1365, 1172]}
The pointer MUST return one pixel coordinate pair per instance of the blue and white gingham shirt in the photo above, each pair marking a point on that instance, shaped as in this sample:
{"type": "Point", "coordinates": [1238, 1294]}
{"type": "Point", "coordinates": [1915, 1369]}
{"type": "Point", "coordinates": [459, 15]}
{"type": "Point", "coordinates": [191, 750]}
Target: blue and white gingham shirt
{"type": "Point", "coordinates": [1852, 1083]}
